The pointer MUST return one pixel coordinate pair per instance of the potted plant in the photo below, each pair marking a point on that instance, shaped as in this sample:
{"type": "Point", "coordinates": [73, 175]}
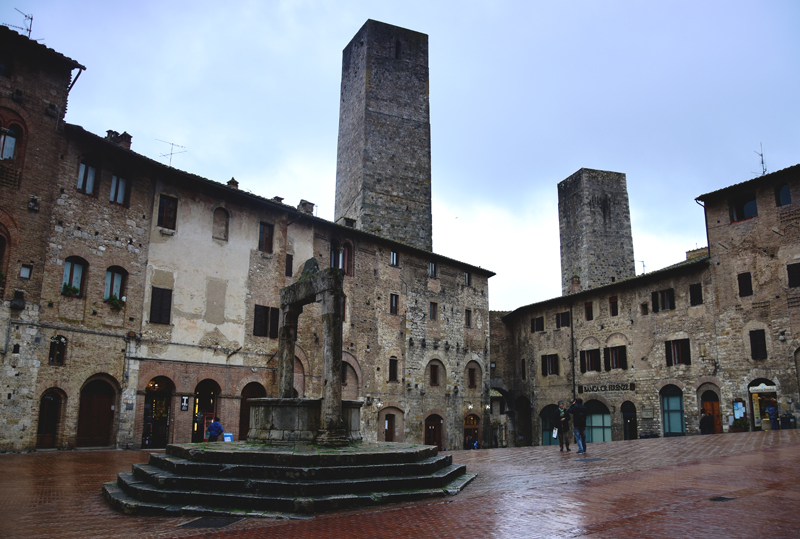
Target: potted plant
{"type": "Point", "coordinates": [115, 303]}
{"type": "Point", "coordinates": [740, 425]}
{"type": "Point", "coordinates": [70, 291]}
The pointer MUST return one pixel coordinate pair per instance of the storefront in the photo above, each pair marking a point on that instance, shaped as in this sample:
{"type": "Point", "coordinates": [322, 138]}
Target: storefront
{"type": "Point", "coordinates": [763, 392]}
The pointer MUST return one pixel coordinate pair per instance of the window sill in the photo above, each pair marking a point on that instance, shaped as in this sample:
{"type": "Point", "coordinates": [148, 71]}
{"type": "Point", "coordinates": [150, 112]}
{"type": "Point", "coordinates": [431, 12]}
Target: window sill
{"type": "Point", "coordinates": [166, 232]}
{"type": "Point", "coordinates": [263, 254]}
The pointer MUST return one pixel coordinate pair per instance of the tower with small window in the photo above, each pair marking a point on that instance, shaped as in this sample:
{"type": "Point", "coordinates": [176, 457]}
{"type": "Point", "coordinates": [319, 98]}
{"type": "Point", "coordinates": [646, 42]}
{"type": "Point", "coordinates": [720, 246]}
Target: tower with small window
{"type": "Point", "coordinates": [383, 168]}
{"type": "Point", "coordinates": [595, 227]}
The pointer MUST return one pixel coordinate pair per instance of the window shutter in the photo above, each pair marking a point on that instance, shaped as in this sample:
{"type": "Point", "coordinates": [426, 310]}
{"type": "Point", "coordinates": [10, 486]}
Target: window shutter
{"type": "Point", "coordinates": [583, 361]}
{"type": "Point", "coordinates": [556, 366]}
{"type": "Point", "coordinates": [686, 352]}
{"type": "Point", "coordinates": [758, 344]}
{"type": "Point", "coordinates": [623, 358]}
{"type": "Point", "coordinates": [671, 294]}
{"type": "Point", "coordinates": [655, 301]}
{"type": "Point", "coordinates": [607, 358]}
{"type": "Point", "coordinates": [544, 365]}
{"type": "Point", "coordinates": [274, 322]}
{"type": "Point", "coordinates": [558, 320]}
{"type": "Point", "coordinates": [259, 323]}
{"type": "Point", "coordinates": [668, 350]}
{"type": "Point", "coordinates": [160, 303]}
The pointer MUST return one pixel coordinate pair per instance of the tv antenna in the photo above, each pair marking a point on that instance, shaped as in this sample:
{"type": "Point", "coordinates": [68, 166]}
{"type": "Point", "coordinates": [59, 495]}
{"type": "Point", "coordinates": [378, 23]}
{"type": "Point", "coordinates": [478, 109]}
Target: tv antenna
{"type": "Point", "coordinates": [28, 24]}
{"type": "Point", "coordinates": [643, 270]}
{"type": "Point", "coordinates": [172, 151]}
{"type": "Point", "coordinates": [763, 164]}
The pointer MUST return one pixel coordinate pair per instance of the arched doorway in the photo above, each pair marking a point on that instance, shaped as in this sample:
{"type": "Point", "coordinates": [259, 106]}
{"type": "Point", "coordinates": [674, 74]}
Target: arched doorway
{"type": "Point", "coordinates": [472, 428]}
{"type": "Point", "coordinates": [96, 414]}
{"type": "Point", "coordinates": [434, 430]}
{"type": "Point", "coordinates": [672, 411]}
{"type": "Point", "coordinates": [524, 422]}
{"type": "Point", "coordinates": [598, 422]}
{"type": "Point", "coordinates": [390, 425]}
{"type": "Point", "coordinates": [253, 390]}
{"type": "Point", "coordinates": [155, 423]}
{"type": "Point", "coordinates": [710, 403]}
{"type": "Point", "coordinates": [350, 381]}
{"type": "Point", "coordinates": [299, 389]}
{"type": "Point", "coordinates": [630, 430]}
{"type": "Point", "coordinates": [547, 417]}
{"type": "Point", "coordinates": [763, 392]}
{"type": "Point", "coordinates": [205, 407]}
{"type": "Point", "coordinates": [49, 419]}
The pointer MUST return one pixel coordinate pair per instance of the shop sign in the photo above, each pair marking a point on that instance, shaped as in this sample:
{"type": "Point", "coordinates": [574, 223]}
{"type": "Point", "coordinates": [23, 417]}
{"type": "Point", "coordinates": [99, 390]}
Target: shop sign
{"type": "Point", "coordinates": [763, 388]}
{"type": "Point", "coordinates": [608, 387]}
{"type": "Point", "coordinates": [184, 403]}
{"type": "Point", "coordinates": [647, 413]}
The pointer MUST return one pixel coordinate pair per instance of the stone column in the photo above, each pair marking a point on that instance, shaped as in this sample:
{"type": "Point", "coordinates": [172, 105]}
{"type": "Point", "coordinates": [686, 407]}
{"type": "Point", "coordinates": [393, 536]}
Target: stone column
{"type": "Point", "coordinates": [332, 431]}
{"type": "Point", "coordinates": [286, 339]}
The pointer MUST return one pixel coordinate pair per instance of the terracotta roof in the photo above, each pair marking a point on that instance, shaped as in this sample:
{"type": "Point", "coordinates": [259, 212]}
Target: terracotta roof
{"type": "Point", "coordinates": [7, 33]}
{"type": "Point", "coordinates": [772, 176]}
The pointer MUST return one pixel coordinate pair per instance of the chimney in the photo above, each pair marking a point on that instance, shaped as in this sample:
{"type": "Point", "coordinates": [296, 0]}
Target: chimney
{"type": "Point", "coordinates": [123, 140]}
{"type": "Point", "coordinates": [306, 207]}
{"type": "Point", "coordinates": [576, 285]}
{"type": "Point", "coordinates": [232, 183]}
{"type": "Point", "coordinates": [279, 200]}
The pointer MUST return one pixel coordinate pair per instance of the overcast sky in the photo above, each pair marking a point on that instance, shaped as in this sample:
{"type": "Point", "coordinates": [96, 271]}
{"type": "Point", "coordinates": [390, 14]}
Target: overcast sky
{"type": "Point", "coordinates": [677, 95]}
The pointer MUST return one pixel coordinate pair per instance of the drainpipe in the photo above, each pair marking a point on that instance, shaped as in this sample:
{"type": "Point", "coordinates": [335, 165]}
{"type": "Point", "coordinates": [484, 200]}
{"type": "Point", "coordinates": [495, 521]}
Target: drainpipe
{"type": "Point", "coordinates": [572, 345]}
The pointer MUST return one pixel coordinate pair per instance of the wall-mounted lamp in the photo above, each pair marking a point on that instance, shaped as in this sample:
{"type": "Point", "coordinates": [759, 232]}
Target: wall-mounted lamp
{"type": "Point", "coordinates": [488, 406]}
{"type": "Point", "coordinates": [469, 406]}
{"type": "Point", "coordinates": [782, 336]}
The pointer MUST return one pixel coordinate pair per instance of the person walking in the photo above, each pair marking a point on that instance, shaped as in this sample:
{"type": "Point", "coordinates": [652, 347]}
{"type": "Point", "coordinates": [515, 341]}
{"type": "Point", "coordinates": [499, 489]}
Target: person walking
{"type": "Point", "coordinates": [578, 411]}
{"type": "Point", "coordinates": [706, 423]}
{"type": "Point", "coordinates": [772, 412]}
{"type": "Point", "coordinates": [214, 430]}
{"type": "Point", "coordinates": [562, 424]}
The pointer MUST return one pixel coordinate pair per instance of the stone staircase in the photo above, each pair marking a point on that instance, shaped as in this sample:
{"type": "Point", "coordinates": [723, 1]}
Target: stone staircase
{"type": "Point", "coordinates": [255, 479]}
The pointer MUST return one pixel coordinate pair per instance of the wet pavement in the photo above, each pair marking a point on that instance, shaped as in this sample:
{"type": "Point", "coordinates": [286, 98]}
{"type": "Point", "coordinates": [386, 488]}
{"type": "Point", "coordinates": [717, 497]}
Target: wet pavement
{"type": "Point", "coordinates": [632, 489]}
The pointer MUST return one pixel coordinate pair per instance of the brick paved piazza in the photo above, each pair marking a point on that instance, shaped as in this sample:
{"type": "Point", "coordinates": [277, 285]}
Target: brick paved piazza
{"type": "Point", "coordinates": [641, 488]}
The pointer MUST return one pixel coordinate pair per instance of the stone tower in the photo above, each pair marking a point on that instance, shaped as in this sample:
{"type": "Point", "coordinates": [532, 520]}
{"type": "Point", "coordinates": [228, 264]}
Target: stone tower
{"type": "Point", "coordinates": [383, 167]}
{"type": "Point", "coordinates": [595, 225]}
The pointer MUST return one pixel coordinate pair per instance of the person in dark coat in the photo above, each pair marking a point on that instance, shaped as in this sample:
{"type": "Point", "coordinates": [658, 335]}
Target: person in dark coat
{"type": "Point", "coordinates": [706, 423]}
{"type": "Point", "coordinates": [578, 411]}
{"type": "Point", "coordinates": [772, 412]}
{"type": "Point", "coordinates": [562, 424]}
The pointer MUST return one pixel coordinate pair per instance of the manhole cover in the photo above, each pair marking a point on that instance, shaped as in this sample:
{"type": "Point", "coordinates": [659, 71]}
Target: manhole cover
{"type": "Point", "coordinates": [210, 522]}
{"type": "Point", "coordinates": [720, 499]}
{"type": "Point", "coordinates": [589, 460]}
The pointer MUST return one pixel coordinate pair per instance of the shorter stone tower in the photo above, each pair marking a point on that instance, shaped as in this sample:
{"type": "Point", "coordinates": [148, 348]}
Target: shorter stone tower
{"type": "Point", "coordinates": [595, 225]}
{"type": "Point", "coordinates": [383, 168]}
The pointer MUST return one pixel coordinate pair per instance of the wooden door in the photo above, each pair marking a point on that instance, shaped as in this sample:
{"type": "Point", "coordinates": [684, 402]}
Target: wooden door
{"type": "Point", "coordinates": [49, 417]}
{"type": "Point", "coordinates": [388, 434]}
{"type": "Point", "coordinates": [96, 415]}
{"type": "Point", "coordinates": [433, 431]}
{"type": "Point", "coordinates": [712, 408]}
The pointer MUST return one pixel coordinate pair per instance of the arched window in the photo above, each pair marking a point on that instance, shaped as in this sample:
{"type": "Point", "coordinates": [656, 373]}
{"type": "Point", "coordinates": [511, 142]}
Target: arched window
{"type": "Point", "coordinates": [220, 226]}
{"type": "Point", "coordinates": [58, 350]}
{"type": "Point", "coordinates": [74, 271]}
{"type": "Point", "coordinates": [342, 256]}
{"type": "Point", "coordinates": [10, 138]}
{"type": "Point", "coordinates": [336, 251]}
{"type": "Point", "coordinates": [115, 282]}
{"type": "Point", "coordinates": [783, 195]}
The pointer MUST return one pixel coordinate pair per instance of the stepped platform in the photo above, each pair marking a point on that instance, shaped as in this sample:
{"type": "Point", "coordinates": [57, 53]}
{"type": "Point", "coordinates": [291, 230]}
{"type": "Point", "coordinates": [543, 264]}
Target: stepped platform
{"type": "Point", "coordinates": [282, 479]}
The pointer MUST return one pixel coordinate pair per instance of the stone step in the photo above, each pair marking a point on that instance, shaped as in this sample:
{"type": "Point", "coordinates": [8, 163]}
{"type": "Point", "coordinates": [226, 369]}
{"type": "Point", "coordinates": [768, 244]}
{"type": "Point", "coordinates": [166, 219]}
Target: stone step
{"type": "Point", "coordinates": [134, 496]}
{"type": "Point", "coordinates": [181, 466]}
{"type": "Point", "coordinates": [163, 479]}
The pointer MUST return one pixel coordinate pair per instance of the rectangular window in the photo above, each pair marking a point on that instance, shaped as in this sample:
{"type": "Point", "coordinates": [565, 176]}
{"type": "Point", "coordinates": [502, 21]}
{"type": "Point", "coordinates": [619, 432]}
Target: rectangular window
{"type": "Point", "coordinates": [758, 344]}
{"type": "Point", "coordinates": [58, 350]}
{"type": "Point", "coordinates": [695, 294]}
{"type": "Point", "coordinates": [794, 275]}
{"type": "Point", "coordinates": [394, 259]}
{"type": "Point", "coordinates": [467, 279]}
{"type": "Point", "coordinates": [167, 212]}
{"type": "Point", "coordinates": [615, 357]}
{"type": "Point", "coordinates": [434, 313]}
{"type": "Point", "coordinates": [394, 302]}
{"type": "Point", "coordinates": [744, 207]}
{"type": "Point", "coordinates": [433, 271]}
{"type": "Point", "coordinates": [266, 321]}
{"type": "Point", "coordinates": [265, 237]}
{"type": "Point", "coordinates": [745, 285]}
{"type": "Point", "coordinates": [26, 271]}
{"type": "Point", "coordinates": [590, 360]}
{"type": "Point", "coordinates": [393, 369]}
{"type": "Point", "coordinates": [522, 369]}
{"type": "Point", "coordinates": [289, 265]}
{"type": "Point", "coordinates": [613, 306]}
{"type": "Point", "coordinates": [115, 283]}
{"type": "Point", "coordinates": [663, 300]}
{"type": "Point", "coordinates": [550, 365]}
{"type": "Point", "coordinates": [562, 320]}
{"type": "Point", "coordinates": [678, 352]}
{"type": "Point", "coordinates": [160, 305]}
{"type": "Point", "coordinates": [119, 193]}
{"type": "Point", "coordinates": [468, 318]}
{"type": "Point", "coordinates": [588, 311]}
{"type": "Point", "coordinates": [537, 324]}
{"type": "Point", "coordinates": [434, 375]}
{"type": "Point", "coordinates": [344, 308]}
{"type": "Point", "coordinates": [471, 375]}
{"type": "Point", "coordinates": [644, 308]}
{"type": "Point", "coordinates": [87, 176]}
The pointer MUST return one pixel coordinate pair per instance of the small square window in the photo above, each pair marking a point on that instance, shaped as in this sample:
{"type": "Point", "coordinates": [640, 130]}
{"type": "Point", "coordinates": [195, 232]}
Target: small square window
{"type": "Point", "coordinates": [645, 309]}
{"type": "Point", "coordinates": [537, 324]}
{"type": "Point", "coordinates": [87, 179]}
{"type": "Point", "coordinates": [265, 231]}
{"type": "Point", "coordinates": [393, 258]}
{"type": "Point", "coordinates": [678, 352]}
{"type": "Point", "coordinates": [167, 212]}
{"type": "Point", "coordinates": [695, 294]}
{"type": "Point", "coordinates": [433, 271]}
{"type": "Point", "coordinates": [550, 365]}
{"type": "Point", "coordinates": [434, 311]}
{"type": "Point", "coordinates": [119, 191]}
{"type": "Point", "coordinates": [468, 318]}
{"type": "Point", "coordinates": [745, 284]}
{"type": "Point", "coordinates": [588, 311]}
{"type": "Point", "coordinates": [613, 306]}
{"type": "Point", "coordinates": [744, 207]}
{"type": "Point", "coordinates": [394, 302]}
{"type": "Point", "coordinates": [467, 279]}
{"type": "Point", "coordinates": [26, 271]}
{"type": "Point", "coordinates": [562, 320]}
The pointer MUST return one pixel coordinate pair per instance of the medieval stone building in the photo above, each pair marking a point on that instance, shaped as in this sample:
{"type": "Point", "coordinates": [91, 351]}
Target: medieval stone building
{"type": "Point", "coordinates": [140, 300]}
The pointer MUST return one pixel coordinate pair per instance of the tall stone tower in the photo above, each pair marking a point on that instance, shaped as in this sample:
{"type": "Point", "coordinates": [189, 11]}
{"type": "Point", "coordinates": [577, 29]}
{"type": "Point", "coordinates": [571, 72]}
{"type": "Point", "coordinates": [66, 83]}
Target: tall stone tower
{"type": "Point", "coordinates": [383, 167]}
{"type": "Point", "coordinates": [595, 225]}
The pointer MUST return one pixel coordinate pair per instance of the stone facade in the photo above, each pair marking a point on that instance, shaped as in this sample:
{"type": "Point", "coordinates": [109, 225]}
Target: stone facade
{"type": "Point", "coordinates": [196, 268]}
{"type": "Point", "coordinates": [595, 226]}
{"type": "Point", "coordinates": [383, 171]}
{"type": "Point", "coordinates": [714, 332]}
